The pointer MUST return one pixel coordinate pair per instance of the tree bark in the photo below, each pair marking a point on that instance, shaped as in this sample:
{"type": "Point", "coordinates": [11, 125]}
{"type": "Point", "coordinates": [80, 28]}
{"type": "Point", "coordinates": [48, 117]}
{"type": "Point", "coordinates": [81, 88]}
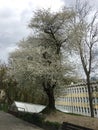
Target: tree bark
{"type": "Point", "coordinates": [90, 96]}
{"type": "Point", "coordinates": [50, 94]}
{"type": "Point", "coordinates": [51, 99]}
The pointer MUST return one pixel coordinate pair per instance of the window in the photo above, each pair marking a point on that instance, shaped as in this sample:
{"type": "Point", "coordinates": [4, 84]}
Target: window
{"type": "Point", "coordinates": [78, 99]}
{"type": "Point", "coordinates": [77, 90]}
{"type": "Point", "coordinates": [97, 99]}
{"type": "Point", "coordinates": [93, 99]}
{"type": "Point", "coordinates": [96, 88]}
{"type": "Point", "coordinates": [79, 109]}
{"type": "Point", "coordinates": [73, 90]}
{"type": "Point", "coordinates": [81, 99]}
{"type": "Point", "coordinates": [88, 110]}
{"type": "Point", "coordinates": [87, 99]}
{"type": "Point", "coordinates": [95, 111]}
{"type": "Point", "coordinates": [76, 109]}
{"type": "Point", "coordinates": [85, 109]}
{"type": "Point", "coordinates": [82, 109]}
{"type": "Point", "coordinates": [84, 99]}
{"type": "Point", "coordinates": [80, 90]}
{"type": "Point", "coordinates": [83, 90]}
{"type": "Point", "coordinates": [71, 99]}
{"type": "Point", "coordinates": [92, 88]}
{"type": "Point", "coordinates": [75, 99]}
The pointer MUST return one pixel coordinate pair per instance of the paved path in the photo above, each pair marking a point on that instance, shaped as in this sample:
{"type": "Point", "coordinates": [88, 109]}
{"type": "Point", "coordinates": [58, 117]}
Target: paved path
{"type": "Point", "coordinates": [9, 122]}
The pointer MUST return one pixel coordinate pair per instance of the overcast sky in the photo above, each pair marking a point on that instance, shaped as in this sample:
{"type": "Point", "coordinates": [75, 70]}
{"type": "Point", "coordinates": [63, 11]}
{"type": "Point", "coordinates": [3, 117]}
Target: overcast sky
{"type": "Point", "coordinates": [14, 18]}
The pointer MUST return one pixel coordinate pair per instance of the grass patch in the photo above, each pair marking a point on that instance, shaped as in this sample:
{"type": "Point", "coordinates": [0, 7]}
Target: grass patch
{"type": "Point", "coordinates": [47, 110]}
{"type": "Point", "coordinates": [74, 114]}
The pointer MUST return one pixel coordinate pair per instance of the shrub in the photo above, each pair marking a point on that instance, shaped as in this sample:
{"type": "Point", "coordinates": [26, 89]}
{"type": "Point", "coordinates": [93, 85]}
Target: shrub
{"type": "Point", "coordinates": [39, 120]}
{"type": "Point", "coordinates": [52, 125]}
{"type": "Point", "coordinates": [4, 107]}
{"type": "Point", "coordinates": [35, 118]}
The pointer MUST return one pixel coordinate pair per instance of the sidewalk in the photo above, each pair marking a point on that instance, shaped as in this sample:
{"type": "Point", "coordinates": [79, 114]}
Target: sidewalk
{"type": "Point", "coordinates": [9, 122]}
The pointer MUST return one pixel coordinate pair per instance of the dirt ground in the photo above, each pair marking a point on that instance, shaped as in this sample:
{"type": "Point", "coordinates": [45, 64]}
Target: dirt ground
{"type": "Point", "coordinates": [78, 120]}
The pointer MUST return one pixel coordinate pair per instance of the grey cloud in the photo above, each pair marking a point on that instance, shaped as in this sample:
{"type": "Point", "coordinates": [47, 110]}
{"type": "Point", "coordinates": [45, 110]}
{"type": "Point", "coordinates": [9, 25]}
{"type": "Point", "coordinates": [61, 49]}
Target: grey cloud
{"type": "Point", "coordinates": [13, 28]}
{"type": "Point", "coordinates": [7, 13]}
{"type": "Point", "coordinates": [26, 15]}
{"type": "Point", "coordinates": [93, 3]}
{"type": "Point", "coordinates": [12, 32]}
{"type": "Point", "coordinates": [4, 51]}
{"type": "Point", "coordinates": [68, 2]}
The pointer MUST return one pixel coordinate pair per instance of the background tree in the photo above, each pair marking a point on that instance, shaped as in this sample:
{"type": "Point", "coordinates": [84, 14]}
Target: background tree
{"type": "Point", "coordinates": [83, 39]}
{"type": "Point", "coordinates": [39, 58]}
{"type": "Point", "coordinates": [22, 67]}
{"type": "Point", "coordinates": [7, 83]}
{"type": "Point", "coordinates": [51, 28]}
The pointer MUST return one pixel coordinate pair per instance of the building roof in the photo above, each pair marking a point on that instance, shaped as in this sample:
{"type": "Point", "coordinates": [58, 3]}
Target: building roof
{"type": "Point", "coordinates": [81, 84]}
{"type": "Point", "coordinates": [28, 107]}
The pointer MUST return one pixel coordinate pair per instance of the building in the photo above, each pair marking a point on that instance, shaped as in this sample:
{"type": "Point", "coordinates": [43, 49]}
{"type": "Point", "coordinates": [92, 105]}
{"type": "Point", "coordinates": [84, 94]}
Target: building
{"type": "Point", "coordinates": [74, 99]}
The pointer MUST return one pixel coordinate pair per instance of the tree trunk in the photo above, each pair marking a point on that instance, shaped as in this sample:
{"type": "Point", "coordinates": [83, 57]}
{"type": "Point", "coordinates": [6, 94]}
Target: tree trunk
{"type": "Point", "coordinates": [90, 96]}
{"type": "Point", "coordinates": [49, 90]}
{"type": "Point", "coordinates": [51, 100]}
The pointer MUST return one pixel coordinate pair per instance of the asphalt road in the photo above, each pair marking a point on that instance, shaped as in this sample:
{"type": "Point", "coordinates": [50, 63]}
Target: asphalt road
{"type": "Point", "coordinates": [9, 122]}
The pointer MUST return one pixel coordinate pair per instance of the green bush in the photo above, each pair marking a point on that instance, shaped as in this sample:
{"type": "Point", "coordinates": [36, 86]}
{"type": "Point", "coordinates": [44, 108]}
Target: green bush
{"type": "Point", "coordinates": [4, 107]}
{"type": "Point", "coordinates": [35, 118]}
{"type": "Point", "coordinates": [27, 117]}
{"type": "Point", "coordinates": [51, 125]}
{"type": "Point", "coordinates": [39, 120]}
